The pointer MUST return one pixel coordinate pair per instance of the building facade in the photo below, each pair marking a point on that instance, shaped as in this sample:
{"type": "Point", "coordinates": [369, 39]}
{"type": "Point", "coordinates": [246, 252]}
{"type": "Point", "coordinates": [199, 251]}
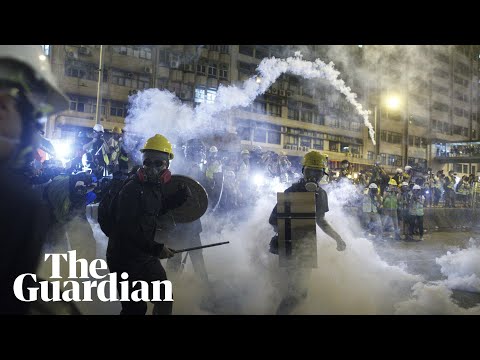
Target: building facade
{"type": "Point", "coordinates": [438, 87]}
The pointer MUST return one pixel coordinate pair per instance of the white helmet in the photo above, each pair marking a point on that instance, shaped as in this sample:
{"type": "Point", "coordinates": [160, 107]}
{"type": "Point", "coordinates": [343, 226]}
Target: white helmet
{"type": "Point", "coordinates": [408, 167]}
{"type": "Point", "coordinates": [373, 186]}
{"type": "Point", "coordinates": [36, 78]}
{"type": "Point", "coordinates": [404, 183]}
{"type": "Point", "coordinates": [399, 171]}
{"type": "Point", "coordinates": [416, 187]}
{"type": "Point", "coordinates": [98, 128]}
{"type": "Point", "coordinates": [213, 149]}
{"type": "Point", "coordinates": [245, 151]}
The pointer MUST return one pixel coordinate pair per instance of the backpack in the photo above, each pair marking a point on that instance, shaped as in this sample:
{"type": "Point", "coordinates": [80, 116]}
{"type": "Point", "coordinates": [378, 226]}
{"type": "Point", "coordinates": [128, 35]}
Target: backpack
{"type": "Point", "coordinates": [106, 207]}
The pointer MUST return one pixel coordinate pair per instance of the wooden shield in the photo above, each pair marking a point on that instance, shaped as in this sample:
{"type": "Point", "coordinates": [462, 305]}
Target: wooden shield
{"type": "Point", "coordinates": [297, 240]}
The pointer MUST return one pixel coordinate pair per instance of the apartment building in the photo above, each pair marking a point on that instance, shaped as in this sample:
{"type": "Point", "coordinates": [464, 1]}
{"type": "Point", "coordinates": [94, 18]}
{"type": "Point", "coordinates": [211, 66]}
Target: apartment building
{"type": "Point", "coordinates": [439, 96]}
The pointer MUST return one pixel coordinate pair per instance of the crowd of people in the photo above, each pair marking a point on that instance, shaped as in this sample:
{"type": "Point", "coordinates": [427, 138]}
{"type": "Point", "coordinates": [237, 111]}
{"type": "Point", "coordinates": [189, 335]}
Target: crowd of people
{"type": "Point", "coordinates": [44, 202]}
{"type": "Point", "coordinates": [459, 150]}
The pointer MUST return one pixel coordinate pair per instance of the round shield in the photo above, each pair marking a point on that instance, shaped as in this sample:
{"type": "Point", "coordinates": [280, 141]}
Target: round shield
{"type": "Point", "coordinates": [195, 206]}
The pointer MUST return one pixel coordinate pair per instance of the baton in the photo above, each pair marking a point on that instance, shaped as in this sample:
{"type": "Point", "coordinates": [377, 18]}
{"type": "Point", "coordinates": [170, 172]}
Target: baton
{"type": "Point", "coordinates": [199, 247]}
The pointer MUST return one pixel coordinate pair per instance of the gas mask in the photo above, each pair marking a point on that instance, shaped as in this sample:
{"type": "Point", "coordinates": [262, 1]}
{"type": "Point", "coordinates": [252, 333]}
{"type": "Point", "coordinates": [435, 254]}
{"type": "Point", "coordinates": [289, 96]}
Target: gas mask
{"type": "Point", "coordinates": [156, 171]}
{"type": "Point", "coordinates": [312, 178]}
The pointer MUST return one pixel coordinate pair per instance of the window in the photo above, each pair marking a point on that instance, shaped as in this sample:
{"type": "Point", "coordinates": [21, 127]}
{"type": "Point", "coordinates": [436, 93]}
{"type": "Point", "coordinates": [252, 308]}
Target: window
{"type": "Point", "coordinates": [394, 160]}
{"type": "Point", "coordinates": [81, 70]}
{"type": "Point", "coordinates": [223, 71]}
{"type": "Point", "coordinates": [442, 57]}
{"type": "Point", "coordinates": [370, 155]}
{"type": "Point", "coordinates": [246, 50]}
{"type": "Point", "coordinates": [163, 58]}
{"type": "Point", "coordinates": [275, 110]}
{"type": "Point", "coordinates": [211, 95]}
{"type": "Point", "coordinates": [441, 73]}
{"type": "Point", "coordinates": [273, 137]}
{"type": "Point", "coordinates": [458, 80]}
{"type": "Point", "coordinates": [225, 49]}
{"type": "Point", "coordinates": [142, 52]}
{"type": "Point", "coordinates": [320, 119]}
{"type": "Point", "coordinates": [201, 68]}
{"type": "Point", "coordinates": [333, 146]}
{"type": "Point", "coordinates": [305, 141]}
{"type": "Point", "coordinates": [246, 68]}
{"type": "Point", "coordinates": [465, 131]}
{"type": "Point", "coordinates": [124, 79]}
{"type": "Point", "coordinates": [318, 144]}
{"type": "Point", "coordinates": [213, 47]}
{"type": "Point", "coordinates": [391, 137]}
{"type": "Point", "coordinates": [259, 107]}
{"type": "Point", "coordinates": [85, 104]}
{"type": "Point", "coordinates": [212, 70]}
{"type": "Point", "coordinates": [200, 94]}
{"type": "Point", "coordinates": [244, 133]}
{"type": "Point", "coordinates": [260, 135]}
{"type": "Point", "coordinates": [440, 106]}
{"type": "Point", "coordinates": [261, 53]}
{"type": "Point", "coordinates": [143, 82]}
{"type": "Point", "coordinates": [118, 109]}
{"type": "Point", "coordinates": [307, 116]}
{"type": "Point", "coordinates": [440, 89]}
{"type": "Point", "coordinates": [383, 159]}
{"type": "Point", "coordinates": [290, 139]}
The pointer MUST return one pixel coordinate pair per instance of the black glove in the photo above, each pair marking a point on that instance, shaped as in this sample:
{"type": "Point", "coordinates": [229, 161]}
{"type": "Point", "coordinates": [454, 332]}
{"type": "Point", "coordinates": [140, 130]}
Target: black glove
{"type": "Point", "coordinates": [179, 197]}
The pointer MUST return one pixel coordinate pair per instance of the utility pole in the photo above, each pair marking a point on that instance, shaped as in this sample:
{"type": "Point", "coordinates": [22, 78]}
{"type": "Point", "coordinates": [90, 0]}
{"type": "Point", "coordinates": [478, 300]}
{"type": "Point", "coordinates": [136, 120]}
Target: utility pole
{"type": "Point", "coordinates": [99, 87]}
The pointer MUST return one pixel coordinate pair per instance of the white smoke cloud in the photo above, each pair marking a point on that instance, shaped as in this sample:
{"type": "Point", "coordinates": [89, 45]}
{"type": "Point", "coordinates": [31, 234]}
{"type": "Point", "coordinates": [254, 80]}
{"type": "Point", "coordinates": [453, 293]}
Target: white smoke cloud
{"type": "Point", "coordinates": [462, 268]}
{"type": "Point", "coordinates": [154, 111]}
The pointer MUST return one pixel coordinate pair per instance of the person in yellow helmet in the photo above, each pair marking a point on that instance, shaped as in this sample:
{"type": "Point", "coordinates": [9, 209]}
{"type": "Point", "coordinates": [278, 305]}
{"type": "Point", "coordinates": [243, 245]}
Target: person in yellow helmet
{"type": "Point", "coordinates": [28, 92]}
{"type": "Point", "coordinates": [117, 153]}
{"type": "Point", "coordinates": [139, 203]}
{"type": "Point", "coordinates": [390, 207]}
{"type": "Point", "coordinates": [314, 165]}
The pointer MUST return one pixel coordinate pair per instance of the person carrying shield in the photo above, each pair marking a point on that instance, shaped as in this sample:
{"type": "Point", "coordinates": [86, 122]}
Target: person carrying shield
{"type": "Point", "coordinates": [131, 246]}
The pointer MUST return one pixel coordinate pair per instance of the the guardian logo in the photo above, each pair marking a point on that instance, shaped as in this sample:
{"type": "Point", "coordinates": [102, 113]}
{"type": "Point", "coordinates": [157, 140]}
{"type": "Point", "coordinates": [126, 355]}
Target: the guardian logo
{"type": "Point", "coordinates": [82, 290]}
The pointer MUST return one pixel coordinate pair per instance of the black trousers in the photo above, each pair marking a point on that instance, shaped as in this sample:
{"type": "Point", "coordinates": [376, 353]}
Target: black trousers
{"type": "Point", "coordinates": [148, 271]}
{"type": "Point", "coordinates": [416, 220]}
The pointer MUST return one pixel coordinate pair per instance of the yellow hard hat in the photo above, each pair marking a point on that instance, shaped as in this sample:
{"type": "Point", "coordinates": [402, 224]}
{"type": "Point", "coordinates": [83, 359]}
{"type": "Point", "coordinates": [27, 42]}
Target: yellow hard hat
{"type": "Point", "coordinates": [159, 143]}
{"type": "Point", "coordinates": [314, 160]}
{"type": "Point", "coordinates": [392, 182]}
{"type": "Point", "coordinates": [117, 130]}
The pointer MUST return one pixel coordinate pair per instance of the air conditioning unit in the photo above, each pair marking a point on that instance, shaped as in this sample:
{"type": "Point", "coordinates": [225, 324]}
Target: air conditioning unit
{"type": "Point", "coordinates": [71, 54]}
{"type": "Point", "coordinates": [83, 50]}
{"type": "Point", "coordinates": [289, 92]}
{"type": "Point", "coordinates": [130, 75]}
{"type": "Point", "coordinates": [281, 92]}
{"type": "Point", "coordinates": [273, 90]}
{"type": "Point", "coordinates": [147, 70]}
{"type": "Point", "coordinates": [174, 64]}
{"type": "Point", "coordinates": [294, 147]}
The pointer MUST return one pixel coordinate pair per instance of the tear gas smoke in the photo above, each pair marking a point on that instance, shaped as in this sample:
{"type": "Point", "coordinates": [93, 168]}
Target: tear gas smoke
{"type": "Point", "coordinates": [246, 278]}
{"type": "Point", "coordinates": [154, 111]}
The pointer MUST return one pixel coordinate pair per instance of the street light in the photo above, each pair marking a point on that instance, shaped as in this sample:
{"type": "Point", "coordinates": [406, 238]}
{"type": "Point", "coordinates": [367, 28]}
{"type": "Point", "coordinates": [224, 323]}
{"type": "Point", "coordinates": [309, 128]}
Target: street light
{"type": "Point", "coordinates": [391, 102]}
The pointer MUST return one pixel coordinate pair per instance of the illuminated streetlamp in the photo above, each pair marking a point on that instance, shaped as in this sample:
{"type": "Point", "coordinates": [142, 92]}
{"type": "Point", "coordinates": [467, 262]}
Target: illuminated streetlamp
{"type": "Point", "coordinates": [391, 102]}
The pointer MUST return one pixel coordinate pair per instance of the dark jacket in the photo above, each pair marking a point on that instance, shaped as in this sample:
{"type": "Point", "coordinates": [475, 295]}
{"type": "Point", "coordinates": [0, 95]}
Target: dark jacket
{"type": "Point", "coordinates": [136, 215]}
{"type": "Point", "coordinates": [321, 200]}
{"type": "Point", "coordinates": [23, 227]}
{"type": "Point", "coordinates": [321, 208]}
